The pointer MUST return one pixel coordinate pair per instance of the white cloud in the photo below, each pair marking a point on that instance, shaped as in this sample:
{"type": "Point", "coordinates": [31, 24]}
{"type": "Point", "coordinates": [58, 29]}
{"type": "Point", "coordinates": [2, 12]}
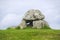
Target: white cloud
{"type": "Point", "coordinates": [10, 20]}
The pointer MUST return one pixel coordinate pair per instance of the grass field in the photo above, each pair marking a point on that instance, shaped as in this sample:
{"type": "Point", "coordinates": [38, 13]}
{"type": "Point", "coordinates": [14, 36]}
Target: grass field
{"type": "Point", "coordinates": [30, 34]}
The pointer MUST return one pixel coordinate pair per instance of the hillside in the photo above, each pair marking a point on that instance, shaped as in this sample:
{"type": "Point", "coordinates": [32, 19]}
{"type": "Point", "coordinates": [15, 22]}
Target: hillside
{"type": "Point", "coordinates": [30, 34]}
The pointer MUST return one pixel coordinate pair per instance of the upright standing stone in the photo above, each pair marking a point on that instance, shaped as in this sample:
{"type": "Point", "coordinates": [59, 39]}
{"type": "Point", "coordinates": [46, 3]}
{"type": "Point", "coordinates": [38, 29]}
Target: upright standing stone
{"type": "Point", "coordinates": [22, 24]}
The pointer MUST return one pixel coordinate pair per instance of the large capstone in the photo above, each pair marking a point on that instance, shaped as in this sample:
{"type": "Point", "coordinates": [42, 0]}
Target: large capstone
{"type": "Point", "coordinates": [34, 15]}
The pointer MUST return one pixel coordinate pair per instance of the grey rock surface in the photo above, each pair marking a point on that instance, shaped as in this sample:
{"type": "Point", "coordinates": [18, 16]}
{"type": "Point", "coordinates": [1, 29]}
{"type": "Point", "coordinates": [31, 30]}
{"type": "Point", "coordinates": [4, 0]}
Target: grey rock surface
{"type": "Point", "coordinates": [34, 18]}
{"type": "Point", "coordinates": [33, 15]}
{"type": "Point", "coordinates": [40, 24]}
{"type": "Point", "coordinates": [22, 24]}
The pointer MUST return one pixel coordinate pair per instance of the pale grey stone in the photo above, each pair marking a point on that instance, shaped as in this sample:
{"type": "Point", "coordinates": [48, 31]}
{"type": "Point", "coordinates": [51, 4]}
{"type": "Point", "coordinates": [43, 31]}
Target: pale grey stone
{"type": "Point", "coordinates": [23, 24]}
{"type": "Point", "coordinates": [39, 24]}
{"type": "Point", "coordinates": [34, 17]}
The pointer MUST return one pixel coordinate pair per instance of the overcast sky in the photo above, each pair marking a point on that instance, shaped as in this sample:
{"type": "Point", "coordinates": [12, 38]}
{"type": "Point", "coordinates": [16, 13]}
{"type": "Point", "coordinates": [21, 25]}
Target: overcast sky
{"type": "Point", "coordinates": [12, 11]}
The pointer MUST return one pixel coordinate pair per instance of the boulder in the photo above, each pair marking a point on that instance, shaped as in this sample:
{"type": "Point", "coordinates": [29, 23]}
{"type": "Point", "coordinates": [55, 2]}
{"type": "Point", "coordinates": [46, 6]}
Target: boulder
{"type": "Point", "coordinates": [23, 24]}
{"type": "Point", "coordinates": [40, 24]}
{"type": "Point", "coordinates": [33, 15]}
{"type": "Point", "coordinates": [33, 18]}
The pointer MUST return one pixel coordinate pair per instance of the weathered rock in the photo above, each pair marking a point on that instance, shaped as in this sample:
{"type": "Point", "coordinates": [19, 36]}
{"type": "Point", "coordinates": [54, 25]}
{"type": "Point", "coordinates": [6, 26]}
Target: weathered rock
{"type": "Point", "coordinates": [23, 24]}
{"type": "Point", "coordinates": [33, 15]}
{"type": "Point", "coordinates": [37, 24]}
{"type": "Point", "coordinates": [40, 24]}
{"type": "Point", "coordinates": [33, 18]}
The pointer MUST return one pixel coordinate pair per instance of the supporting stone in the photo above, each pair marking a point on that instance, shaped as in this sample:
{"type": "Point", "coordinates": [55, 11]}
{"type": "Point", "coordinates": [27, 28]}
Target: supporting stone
{"type": "Point", "coordinates": [23, 24]}
{"type": "Point", "coordinates": [40, 24]}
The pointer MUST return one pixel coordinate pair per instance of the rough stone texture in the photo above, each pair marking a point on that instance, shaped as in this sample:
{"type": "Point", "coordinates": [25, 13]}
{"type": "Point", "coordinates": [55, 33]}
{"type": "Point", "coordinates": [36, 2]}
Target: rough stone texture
{"type": "Point", "coordinates": [33, 15]}
{"type": "Point", "coordinates": [36, 16]}
{"type": "Point", "coordinates": [39, 24]}
{"type": "Point", "coordinates": [22, 24]}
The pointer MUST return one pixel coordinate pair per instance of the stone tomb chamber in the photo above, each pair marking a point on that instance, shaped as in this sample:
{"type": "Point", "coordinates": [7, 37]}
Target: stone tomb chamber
{"type": "Point", "coordinates": [34, 19]}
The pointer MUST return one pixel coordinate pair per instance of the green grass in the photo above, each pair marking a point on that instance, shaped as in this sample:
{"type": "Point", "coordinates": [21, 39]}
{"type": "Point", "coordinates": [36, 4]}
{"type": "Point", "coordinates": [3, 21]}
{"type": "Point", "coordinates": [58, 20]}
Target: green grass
{"type": "Point", "coordinates": [30, 34]}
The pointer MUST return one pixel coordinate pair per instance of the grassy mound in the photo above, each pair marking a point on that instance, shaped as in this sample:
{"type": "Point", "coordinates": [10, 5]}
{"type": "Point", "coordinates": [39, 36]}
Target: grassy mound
{"type": "Point", "coordinates": [30, 34]}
